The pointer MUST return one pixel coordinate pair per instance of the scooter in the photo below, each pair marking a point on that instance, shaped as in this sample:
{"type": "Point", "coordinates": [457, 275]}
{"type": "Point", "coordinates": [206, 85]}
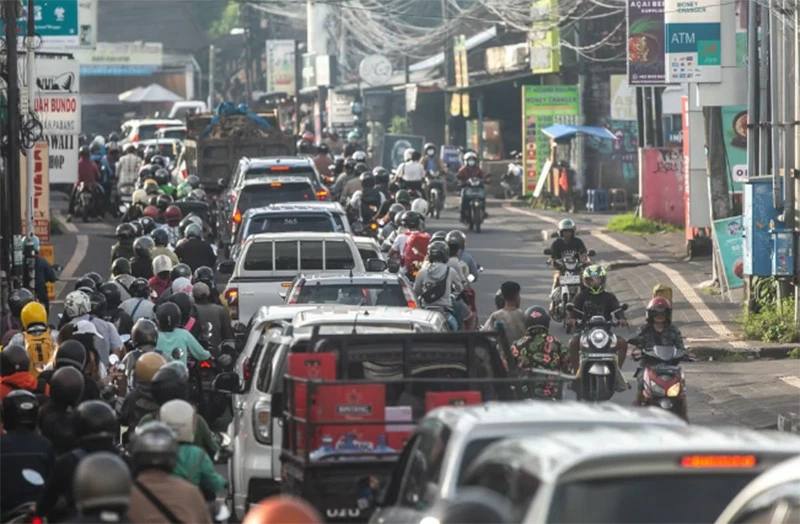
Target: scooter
{"type": "Point", "coordinates": [662, 382]}
{"type": "Point", "coordinates": [569, 283]}
{"type": "Point", "coordinates": [475, 194]}
{"type": "Point", "coordinates": [512, 180]}
{"type": "Point", "coordinates": [124, 198]}
{"type": "Point", "coordinates": [84, 206]}
{"type": "Point", "coordinates": [436, 193]}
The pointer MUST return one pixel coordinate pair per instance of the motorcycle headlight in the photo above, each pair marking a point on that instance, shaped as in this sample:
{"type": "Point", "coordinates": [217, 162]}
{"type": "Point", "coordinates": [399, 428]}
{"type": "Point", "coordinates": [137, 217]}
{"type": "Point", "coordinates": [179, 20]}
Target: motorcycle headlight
{"type": "Point", "coordinates": [674, 390]}
{"type": "Point", "coordinates": [599, 338]}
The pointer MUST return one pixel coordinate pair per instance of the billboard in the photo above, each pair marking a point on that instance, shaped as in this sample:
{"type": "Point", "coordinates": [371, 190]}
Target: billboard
{"type": "Point", "coordinates": [55, 21]}
{"type": "Point", "coordinates": [734, 129]}
{"type": "Point", "coordinates": [646, 64]}
{"type": "Point", "coordinates": [693, 47]}
{"type": "Point", "coordinates": [281, 67]}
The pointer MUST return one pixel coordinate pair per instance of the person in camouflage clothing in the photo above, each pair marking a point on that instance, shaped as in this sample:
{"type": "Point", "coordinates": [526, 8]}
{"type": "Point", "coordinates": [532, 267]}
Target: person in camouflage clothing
{"type": "Point", "coordinates": [539, 350]}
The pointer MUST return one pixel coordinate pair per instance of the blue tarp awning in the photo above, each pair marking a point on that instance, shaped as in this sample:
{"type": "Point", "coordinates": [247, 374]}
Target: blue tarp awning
{"type": "Point", "coordinates": [559, 131]}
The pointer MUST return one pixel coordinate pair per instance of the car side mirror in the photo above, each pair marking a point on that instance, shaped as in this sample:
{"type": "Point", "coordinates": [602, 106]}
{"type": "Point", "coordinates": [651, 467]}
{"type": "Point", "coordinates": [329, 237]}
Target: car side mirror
{"type": "Point", "coordinates": [592, 253]}
{"type": "Point", "coordinates": [282, 294]}
{"type": "Point", "coordinates": [393, 265]}
{"type": "Point", "coordinates": [548, 251]}
{"type": "Point", "coordinates": [376, 265]}
{"type": "Point", "coordinates": [227, 382]}
{"type": "Point", "coordinates": [226, 267]}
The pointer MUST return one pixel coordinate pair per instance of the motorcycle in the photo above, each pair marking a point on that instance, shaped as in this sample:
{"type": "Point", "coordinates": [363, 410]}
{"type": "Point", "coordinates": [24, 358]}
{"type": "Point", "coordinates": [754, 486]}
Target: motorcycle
{"type": "Point", "coordinates": [475, 194]}
{"type": "Point", "coordinates": [210, 404]}
{"type": "Point", "coordinates": [569, 281]}
{"type": "Point", "coordinates": [436, 193]}
{"type": "Point", "coordinates": [598, 364]}
{"type": "Point", "coordinates": [85, 202]}
{"type": "Point", "coordinates": [662, 382]}
{"type": "Point", "coordinates": [512, 180]}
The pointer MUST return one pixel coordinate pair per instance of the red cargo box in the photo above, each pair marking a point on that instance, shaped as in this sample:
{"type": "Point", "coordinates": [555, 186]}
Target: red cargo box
{"type": "Point", "coordinates": [351, 403]}
{"type": "Point", "coordinates": [451, 398]}
{"type": "Point", "coordinates": [320, 366]}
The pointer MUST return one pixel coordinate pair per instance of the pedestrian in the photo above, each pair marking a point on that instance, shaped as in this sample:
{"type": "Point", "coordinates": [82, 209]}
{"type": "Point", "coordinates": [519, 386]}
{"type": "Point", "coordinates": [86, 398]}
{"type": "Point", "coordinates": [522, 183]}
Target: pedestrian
{"type": "Point", "coordinates": [510, 316]}
{"type": "Point", "coordinates": [43, 273]}
{"type": "Point", "coordinates": [565, 178]}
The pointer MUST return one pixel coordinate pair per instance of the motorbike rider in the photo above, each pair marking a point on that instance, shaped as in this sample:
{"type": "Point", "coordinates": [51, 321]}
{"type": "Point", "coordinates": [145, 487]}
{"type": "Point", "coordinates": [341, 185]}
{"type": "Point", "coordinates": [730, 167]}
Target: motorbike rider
{"type": "Point", "coordinates": [566, 245]}
{"type": "Point", "coordinates": [459, 239]}
{"type": "Point", "coordinates": [209, 312]}
{"type": "Point", "coordinates": [465, 303]}
{"type": "Point", "coordinates": [470, 170]}
{"type": "Point", "coordinates": [354, 184]}
{"type": "Point", "coordinates": [403, 197]}
{"type": "Point", "coordinates": [14, 372]}
{"type": "Point", "coordinates": [411, 222]}
{"type": "Point", "coordinates": [114, 313]}
{"type": "Point", "coordinates": [382, 179]}
{"type": "Point", "coordinates": [172, 336]}
{"type": "Point", "coordinates": [437, 282]}
{"type": "Point", "coordinates": [37, 337]}
{"type": "Point", "coordinates": [89, 175]}
{"type": "Point", "coordinates": [172, 219]}
{"type": "Point", "coordinates": [136, 210]}
{"type": "Point", "coordinates": [510, 315]}
{"type": "Point", "coordinates": [161, 280]}
{"type": "Point", "coordinates": [367, 197]}
{"type": "Point", "coordinates": [182, 270]}
{"type": "Point", "coordinates": [388, 220]}
{"type": "Point", "coordinates": [106, 338]}
{"type": "Point", "coordinates": [337, 189]}
{"type": "Point", "coordinates": [146, 363]}
{"type": "Point", "coordinates": [12, 324]}
{"type": "Point", "coordinates": [102, 489]}
{"type": "Point", "coordinates": [537, 349]}
{"type": "Point", "coordinates": [163, 179]}
{"type": "Point", "coordinates": [55, 418]}
{"type": "Point", "coordinates": [142, 261]}
{"type": "Point", "coordinates": [129, 165]}
{"type": "Point", "coordinates": [353, 145]}
{"type": "Point", "coordinates": [26, 458]}
{"type": "Point", "coordinates": [139, 306]}
{"type": "Point", "coordinates": [157, 494]}
{"type": "Point", "coordinates": [659, 329]}
{"type": "Point", "coordinates": [193, 250]}
{"type": "Point", "coordinates": [121, 276]}
{"type": "Point", "coordinates": [161, 240]}
{"type": "Point", "coordinates": [322, 160]}
{"type": "Point", "coordinates": [593, 299]}
{"type": "Point", "coordinates": [411, 173]}
{"type": "Point", "coordinates": [125, 234]}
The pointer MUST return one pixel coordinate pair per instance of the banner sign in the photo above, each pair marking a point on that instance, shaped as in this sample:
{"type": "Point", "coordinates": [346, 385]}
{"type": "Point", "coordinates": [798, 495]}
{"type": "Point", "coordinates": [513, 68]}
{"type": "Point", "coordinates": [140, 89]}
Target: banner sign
{"type": "Point", "coordinates": [693, 47]}
{"type": "Point", "coordinates": [623, 99]}
{"type": "Point", "coordinates": [63, 159]}
{"type": "Point", "coordinates": [730, 246]}
{"type": "Point", "coordinates": [281, 70]}
{"type": "Point", "coordinates": [646, 63]}
{"type": "Point", "coordinates": [41, 191]}
{"type": "Point", "coordinates": [339, 112]}
{"type": "Point", "coordinates": [59, 114]}
{"type": "Point", "coordinates": [734, 129]}
{"type": "Point", "coordinates": [395, 145]}
{"type": "Point", "coordinates": [122, 54]}
{"type": "Point", "coordinates": [545, 44]}
{"type": "Point", "coordinates": [543, 106]}
{"type": "Point", "coordinates": [55, 21]}
{"type": "Point", "coordinates": [56, 76]}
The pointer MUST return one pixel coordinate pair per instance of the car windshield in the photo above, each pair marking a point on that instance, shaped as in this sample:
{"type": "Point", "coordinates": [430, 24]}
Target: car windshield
{"type": "Point", "coordinates": [280, 170]}
{"type": "Point", "coordinates": [164, 149]}
{"type": "Point", "coordinates": [289, 224]}
{"type": "Point", "coordinates": [352, 294]}
{"type": "Point", "coordinates": [147, 131]}
{"type": "Point", "coordinates": [261, 195]}
{"type": "Point", "coordinates": [647, 498]}
{"type": "Point", "coordinates": [180, 134]}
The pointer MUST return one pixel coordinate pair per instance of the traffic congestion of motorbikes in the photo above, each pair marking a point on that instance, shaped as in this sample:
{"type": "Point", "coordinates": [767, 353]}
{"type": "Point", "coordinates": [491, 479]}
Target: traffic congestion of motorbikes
{"type": "Point", "coordinates": [322, 346]}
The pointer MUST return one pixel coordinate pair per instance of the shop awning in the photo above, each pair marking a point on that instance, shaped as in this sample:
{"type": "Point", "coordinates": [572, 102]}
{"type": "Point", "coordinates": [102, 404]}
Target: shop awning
{"type": "Point", "coordinates": [151, 93]}
{"type": "Point", "coordinates": [559, 131]}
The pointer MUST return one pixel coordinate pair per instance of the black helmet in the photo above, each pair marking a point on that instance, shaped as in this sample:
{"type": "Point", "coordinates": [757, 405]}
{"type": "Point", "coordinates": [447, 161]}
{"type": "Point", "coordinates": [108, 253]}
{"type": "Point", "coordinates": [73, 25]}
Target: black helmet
{"type": "Point", "coordinates": [145, 172]}
{"type": "Point", "coordinates": [102, 483]}
{"type": "Point", "coordinates": [184, 302]}
{"type": "Point", "coordinates": [170, 382]}
{"type": "Point", "coordinates": [204, 274]}
{"type": "Point", "coordinates": [111, 292]}
{"type": "Point", "coordinates": [138, 228]}
{"type": "Point", "coordinates": [160, 237]}
{"type": "Point", "coordinates": [125, 231]}
{"type": "Point", "coordinates": [70, 353]}
{"type": "Point", "coordinates": [148, 225]}
{"type": "Point", "coordinates": [163, 202]}
{"type": "Point", "coordinates": [456, 238]}
{"type": "Point", "coordinates": [144, 333]}
{"type": "Point", "coordinates": [193, 180]}
{"type": "Point", "coordinates": [83, 151]}
{"type": "Point", "coordinates": [142, 247]}
{"type": "Point", "coordinates": [439, 235]}
{"type": "Point", "coordinates": [66, 386]}
{"type": "Point", "coordinates": [322, 148]}
{"type": "Point", "coordinates": [139, 288]}
{"type": "Point", "coordinates": [168, 315]}
{"type": "Point", "coordinates": [537, 318]}
{"type": "Point", "coordinates": [403, 197]}
{"type": "Point", "coordinates": [99, 303]}
{"type": "Point", "coordinates": [20, 408]}
{"type": "Point", "coordinates": [86, 284]}
{"type": "Point", "coordinates": [438, 251]}
{"type": "Point", "coordinates": [394, 209]}
{"type": "Point", "coordinates": [162, 177]}
{"type": "Point", "coordinates": [158, 160]}
{"type": "Point", "coordinates": [193, 231]}
{"type": "Point", "coordinates": [95, 276]}
{"type": "Point", "coordinates": [350, 164]}
{"type": "Point", "coordinates": [181, 270]}
{"type": "Point", "coordinates": [154, 445]}
{"type": "Point", "coordinates": [367, 180]}
{"type": "Point", "coordinates": [14, 358]}
{"type": "Point", "coordinates": [94, 419]}
{"type": "Point", "coordinates": [412, 220]}
{"type": "Point", "coordinates": [18, 299]}
{"type": "Point", "coordinates": [120, 266]}
{"type": "Point", "coordinates": [361, 168]}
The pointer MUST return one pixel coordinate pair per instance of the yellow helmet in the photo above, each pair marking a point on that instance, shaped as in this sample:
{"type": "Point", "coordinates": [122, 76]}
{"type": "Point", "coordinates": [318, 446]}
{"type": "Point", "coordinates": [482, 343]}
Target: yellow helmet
{"type": "Point", "coordinates": [33, 313]}
{"type": "Point", "coordinates": [147, 365]}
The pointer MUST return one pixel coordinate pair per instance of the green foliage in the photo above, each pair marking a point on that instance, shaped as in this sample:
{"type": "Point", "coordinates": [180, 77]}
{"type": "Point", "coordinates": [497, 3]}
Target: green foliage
{"type": "Point", "coordinates": [794, 354]}
{"type": "Point", "coordinates": [399, 126]}
{"type": "Point", "coordinates": [633, 225]}
{"type": "Point", "coordinates": [644, 25]}
{"type": "Point", "coordinates": [771, 324]}
{"type": "Point", "coordinates": [764, 293]}
{"type": "Point", "coordinates": [227, 20]}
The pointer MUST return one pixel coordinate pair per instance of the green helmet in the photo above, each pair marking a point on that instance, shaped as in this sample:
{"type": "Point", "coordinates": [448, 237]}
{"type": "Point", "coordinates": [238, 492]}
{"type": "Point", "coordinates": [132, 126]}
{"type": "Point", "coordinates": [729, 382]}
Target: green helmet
{"type": "Point", "coordinates": [594, 279]}
{"type": "Point", "coordinates": [566, 225]}
{"type": "Point", "coordinates": [184, 189]}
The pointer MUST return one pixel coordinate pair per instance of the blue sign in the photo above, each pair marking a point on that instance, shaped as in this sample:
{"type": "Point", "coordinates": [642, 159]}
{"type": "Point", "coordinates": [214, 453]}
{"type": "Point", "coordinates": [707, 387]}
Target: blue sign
{"type": "Point", "coordinates": [97, 70]}
{"type": "Point", "coordinates": [56, 21]}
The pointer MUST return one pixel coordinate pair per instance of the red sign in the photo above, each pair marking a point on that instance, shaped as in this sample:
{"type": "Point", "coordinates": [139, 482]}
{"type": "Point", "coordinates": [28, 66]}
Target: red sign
{"type": "Point", "coordinates": [41, 191]}
{"type": "Point", "coordinates": [662, 183]}
{"type": "Point", "coordinates": [319, 366]}
{"type": "Point", "coordinates": [354, 403]}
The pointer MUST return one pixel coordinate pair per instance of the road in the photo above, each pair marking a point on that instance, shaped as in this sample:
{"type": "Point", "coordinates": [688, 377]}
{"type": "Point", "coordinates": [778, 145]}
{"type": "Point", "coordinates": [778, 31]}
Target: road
{"type": "Point", "coordinates": [510, 248]}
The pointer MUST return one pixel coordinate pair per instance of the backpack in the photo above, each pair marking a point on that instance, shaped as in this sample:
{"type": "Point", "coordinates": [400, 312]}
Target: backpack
{"type": "Point", "coordinates": [40, 349]}
{"type": "Point", "coordinates": [415, 250]}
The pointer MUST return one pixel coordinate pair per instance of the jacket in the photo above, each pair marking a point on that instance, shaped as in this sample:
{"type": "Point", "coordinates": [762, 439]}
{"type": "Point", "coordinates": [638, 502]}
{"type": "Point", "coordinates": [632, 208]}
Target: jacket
{"type": "Point", "coordinates": [195, 466]}
{"type": "Point", "coordinates": [122, 250]}
{"type": "Point", "coordinates": [163, 250]}
{"type": "Point", "coordinates": [219, 319]}
{"type": "Point", "coordinates": [182, 339]}
{"type": "Point", "coordinates": [158, 285]}
{"type": "Point", "coordinates": [88, 173]}
{"type": "Point", "coordinates": [540, 351]}
{"type": "Point", "coordinates": [647, 337]}
{"type": "Point", "coordinates": [20, 380]}
{"type": "Point", "coordinates": [22, 449]}
{"type": "Point", "coordinates": [196, 253]}
{"type": "Point", "coordinates": [128, 170]}
{"type": "Point", "coordinates": [137, 405]}
{"type": "Point", "coordinates": [43, 273]}
{"type": "Point", "coordinates": [603, 304]}
{"type": "Point", "coordinates": [142, 267]}
{"type": "Point", "coordinates": [139, 308]}
{"type": "Point", "coordinates": [433, 274]}
{"type": "Point", "coordinates": [467, 172]}
{"type": "Point", "coordinates": [180, 496]}
{"type": "Point", "coordinates": [203, 438]}
{"type": "Point", "coordinates": [55, 423]}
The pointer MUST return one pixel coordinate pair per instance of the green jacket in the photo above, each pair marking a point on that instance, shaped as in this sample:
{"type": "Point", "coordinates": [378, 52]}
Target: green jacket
{"type": "Point", "coordinates": [195, 466]}
{"type": "Point", "coordinates": [540, 351]}
{"type": "Point", "coordinates": [203, 438]}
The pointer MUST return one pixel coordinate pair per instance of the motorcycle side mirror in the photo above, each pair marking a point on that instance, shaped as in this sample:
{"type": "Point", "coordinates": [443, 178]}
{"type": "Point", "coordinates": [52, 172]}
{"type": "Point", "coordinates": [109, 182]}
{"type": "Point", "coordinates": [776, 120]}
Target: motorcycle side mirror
{"type": "Point", "coordinates": [548, 251]}
{"type": "Point", "coordinates": [376, 265]}
{"type": "Point", "coordinates": [227, 382]}
{"type": "Point", "coordinates": [393, 265]}
{"type": "Point", "coordinates": [222, 183]}
{"type": "Point", "coordinates": [623, 307]}
{"type": "Point", "coordinates": [226, 267]}
{"type": "Point", "coordinates": [592, 253]}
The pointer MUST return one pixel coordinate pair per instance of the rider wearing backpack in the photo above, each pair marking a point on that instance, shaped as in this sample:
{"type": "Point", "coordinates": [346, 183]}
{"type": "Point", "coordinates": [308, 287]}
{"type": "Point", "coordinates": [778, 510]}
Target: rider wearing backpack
{"type": "Point", "coordinates": [411, 247]}
{"type": "Point", "coordinates": [437, 281]}
{"type": "Point", "coordinates": [37, 336]}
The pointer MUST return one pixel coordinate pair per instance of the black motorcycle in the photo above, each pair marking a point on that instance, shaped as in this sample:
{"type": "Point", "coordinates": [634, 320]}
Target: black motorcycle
{"type": "Point", "coordinates": [569, 284]}
{"type": "Point", "coordinates": [436, 193]}
{"type": "Point", "coordinates": [475, 194]}
{"type": "Point", "coordinates": [85, 204]}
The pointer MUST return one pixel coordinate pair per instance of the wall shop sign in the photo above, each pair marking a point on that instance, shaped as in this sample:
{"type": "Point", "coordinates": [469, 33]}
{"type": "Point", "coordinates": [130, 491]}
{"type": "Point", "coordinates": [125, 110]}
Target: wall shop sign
{"type": "Point", "coordinates": [646, 66]}
{"type": "Point", "coordinates": [63, 158]}
{"type": "Point", "coordinates": [41, 191]}
{"type": "Point", "coordinates": [693, 47]}
{"type": "Point", "coordinates": [59, 114]}
{"type": "Point", "coordinates": [281, 70]}
{"type": "Point", "coordinates": [56, 76]}
{"type": "Point", "coordinates": [55, 21]}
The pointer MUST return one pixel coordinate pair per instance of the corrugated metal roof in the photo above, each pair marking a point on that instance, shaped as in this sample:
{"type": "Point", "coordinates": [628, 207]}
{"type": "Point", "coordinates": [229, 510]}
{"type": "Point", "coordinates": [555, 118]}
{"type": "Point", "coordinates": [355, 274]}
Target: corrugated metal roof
{"type": "Point", "coordinates": [472, 42]}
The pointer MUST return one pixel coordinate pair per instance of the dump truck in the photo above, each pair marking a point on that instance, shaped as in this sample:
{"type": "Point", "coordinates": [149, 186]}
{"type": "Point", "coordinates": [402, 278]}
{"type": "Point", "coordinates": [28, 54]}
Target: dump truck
{"type": "Point", "coordinates": [215, 142]}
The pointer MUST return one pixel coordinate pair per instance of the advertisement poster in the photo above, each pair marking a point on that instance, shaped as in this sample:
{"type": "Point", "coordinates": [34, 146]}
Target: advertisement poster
{"type": "Point", "coordinates": [661, 185]}
{"type": "Point", "coordinates": [395, 145]}
{"type": "Point", "coordinates": [646, 64]}
{"type": "Point", "coordinates": [281, 66]}
{"type": "Point", "coordinates": [545, 52]}
{"type": "Point", "coordinates": [55, 21]}
{"type": "Point", "coordinates": [734, 129]}
{"type": "Point", "coordinates": [693, 48]}
{"type": "Point", "coordinates": [623, 99]}
{"type": "Point", "coordinates": [620, 155]}
{"type": "Point", "coordinates": [730, 246]}
{"type": "Point", "coordinates": [41, 192]}
{"type": "Point", "coordinates": [544, 106]}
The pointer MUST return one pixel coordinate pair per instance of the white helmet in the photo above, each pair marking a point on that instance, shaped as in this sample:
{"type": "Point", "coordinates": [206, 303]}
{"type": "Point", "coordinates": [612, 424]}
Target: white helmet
{"type": "Point", "coordinates": [161, 264]}
{"type": "Point", "coordinates": [140, 197]}
{"type": "Point", "coordinates": [181, 417]}
{"type": "Point", "coordinates": [407, 154]}
{"type": "Point", "coordinates": [360, 157]}
{"type": "Point", "coordinates": [420, 205]}
{"type": "Point", "coordinates": [471, 155]}
{"type": "Point", "coordinates": [76, 304]}
{"type": "Point", "coordinates": [182, 284]}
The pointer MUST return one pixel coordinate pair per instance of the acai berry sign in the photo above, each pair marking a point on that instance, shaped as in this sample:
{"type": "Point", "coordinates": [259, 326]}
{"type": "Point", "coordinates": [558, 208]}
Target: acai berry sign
{"type": "Point", "coordinates": [692, 41]}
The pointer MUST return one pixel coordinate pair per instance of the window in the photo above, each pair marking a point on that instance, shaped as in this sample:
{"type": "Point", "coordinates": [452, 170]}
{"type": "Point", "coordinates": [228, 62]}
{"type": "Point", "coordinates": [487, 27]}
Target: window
{"type": "Point", "coordinates": [778, 504]}
{"type": "Point", "coordinates": [352, 294]}
{"type": "Point", "coordinates": [282, 170]}
{"type": "Point", "coordinates": [259, 257]}
{"type": "Point", "coordinates": [340, 227]}
{"type": "Point", "coordinates": [421, 483]}
{"type": "Point", "coordinates": [366, 254]}
{"type": "Point", "coordinates": [338, 256]}
{"type": "Point", "coordinates": [147, 131]}
{"type": "Point", "coordinates": [273, 342]}
{"type": "Point", "coordinates": [261, 195]}
{"type": "Point", "coordinates": [286, 256]}
{"type": "Point", "coordinates": [289, 223]}
{"type": "Point", "coordinates": [311, 255]}
{"type": "Point", "coordinates": [471, 452]}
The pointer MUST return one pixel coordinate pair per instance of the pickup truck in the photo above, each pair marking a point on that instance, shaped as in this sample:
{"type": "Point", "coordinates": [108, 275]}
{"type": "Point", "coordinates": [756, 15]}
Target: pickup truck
{"type": "Point", "coordinates": [269, 262]}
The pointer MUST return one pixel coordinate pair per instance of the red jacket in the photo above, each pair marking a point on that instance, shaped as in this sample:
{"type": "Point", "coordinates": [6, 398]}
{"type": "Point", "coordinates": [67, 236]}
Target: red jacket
{"type": "Point", "coordinates": [18, 380]}
{"type": "Point", "coordinates": [158, 286]}
{"type": "Point", "coordinates": [88, 172]}
{"type": "Point", "coordinates": [467, 172]}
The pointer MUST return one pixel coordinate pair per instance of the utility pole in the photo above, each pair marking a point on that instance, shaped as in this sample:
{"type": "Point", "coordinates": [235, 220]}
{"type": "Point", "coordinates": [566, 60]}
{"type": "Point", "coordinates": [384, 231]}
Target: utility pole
{"type": "Point", "coordinates": [449, 71]}
{"type": "Point", "coordinates": [786, 103]}
{"type": "Point", "coordinates": [14, 222]}
{"type": "Point", "coordinates": [248, 54]}
{"type": "Point", "coordinates": [716, 163]}
{"type": "Point", "coordinates": [796, 150]}
{"type": "Point", "coordinates": [30, 66]}
{"type": "Point", "coordinates": [211, 66]}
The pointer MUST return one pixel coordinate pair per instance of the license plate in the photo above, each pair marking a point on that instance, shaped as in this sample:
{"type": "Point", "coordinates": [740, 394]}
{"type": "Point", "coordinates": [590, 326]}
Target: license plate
{"type": "Point", "coordinates": [601, 356]}
{"type": "Point", "coordinates": [570, 280]}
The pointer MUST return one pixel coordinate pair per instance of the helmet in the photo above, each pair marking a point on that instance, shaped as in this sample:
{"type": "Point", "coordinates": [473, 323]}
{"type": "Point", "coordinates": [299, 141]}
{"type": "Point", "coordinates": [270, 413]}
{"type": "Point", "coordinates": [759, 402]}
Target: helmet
{"type": "Point", "coordinates": [361, 168]}
{"type": "Point", "coordinates": [282, 508]}
{"type": "Point", "coordinates": [33, 313]}
{"type": "Point", "coordinates": [66, 386]}
{"type": "Point", "coordinates": [204, 274]}
{"type": "Point", "coordinates": [112, 294]}
{"type": "Point", "coordinates": [350, 164]}
{"type": "Point", "coordinates": [354, 135]}
{"type": "Point", "coordinates": [139, 197]}
{"type": "Point", "coordinates": [537, 317]}
{"type": "Point", "coordinates": [411, 220]}
{"type": "Point", "coordinates": [18, 299]}
{"type": "Point", "coordinates": [594, 279]}
{"type": "Point", "coordinates": [170, 382]}
{"type": "Point", "coordinates": [83, 151]}
{"type": "Point", "coordinates": [403, 197]}
{"type": "Point", "coordinates": [168, 315]}
{"type": "Point", "coordinates": [394, 209]}
{"type": "Point", "coordinates": [456, 238]}
{"type": "Point", "coordinates": [120, 266]}
{"type": "Point", "coordinates": [137, 227]}
{"type": "Point", "coordinates": [438, 251]}
{"type": "Point", "coordinates": [146, 173]}
{"type": "Point", "coordinates": [184, 302]}
{"type": "Point", "coordinates": [125, 232]}
{"type": "Point", "coordinates": [70, 353]}
{"type": "Point", "coordinates": [566, 225]}
{"type": "Point", "coordinates": [198, 194]}
{"type": "Point", "coordinates": [430, 148]}
{"type": "Point", "coordinates": [439, 235]}
{"type": "Point", "coordinates": [85, 284]}
{"type": "Point", "coordinates": [160, 237]}
{"type": "Point", "coordinates": [367, 180]}
{"type": "Point", "coordinates": [13, 359]}
{"type": "Point", "coordinates": [181, 417]}
{"type": "Point", "coordinates": [188, 220]}
{"type": "Point", "coordinates": [407, 154]}
{"type": "Point", "coordinates": [102, 482]}
{"type": "Point", "coordinates": [200, 291]}
{"type": "Point", "coordinates": [151, 187]}
{"type": "Point", "coordinates": [139, 288]}
{"type": "Point", "coordinates": [656, 306]}
{"type": "Point", "coordinates": [148, 225]}
{"type": "Point", "coordinates": [470, 155]}
{"type": "Point", "coordinates": [144, 333]}
{"type": "Point", "coordinates": [95, 419]}
{"type": "Point", "coordinates": [147, 366]}
{"type": "Point", "coordinates": [162, 264]}
{"type": "Point", "coordinates": [183, 190]}
{"type": "Point", "coordinates": [158, 160]}
{"type": "Point", "coordinates": [77, 303]}
{"type": "Point", "coordinates": [162, 177]}
{"type": "Point", "coordinates": [398, 218]}
{"type": "Point", "coordinates": [143, 246]}
{"type": "Point", "coordinates": [151, 211]}
{"type": "Point", "coordinates": [99, 303]}
{"type": "Point", "coordinates": [323, 148]}
{"type": "Point", "coordinates": [420, 205]}
{"type": "Point", "coordinates": [173, 215]}
{"type": "Point", "coordinates": [163, 202]}
{"type": "Point", "coordinates": [20, 408]}
{"type": "Point", "coordinates": [381, 175]}
{"type": "Point", "coordinates": [182, 270]}
{"type": "Point", "coordinates": [154, 446]}
{"type": "Point", "coordinates": [96, 278]}
{"type": "Point", "coordinates": [113, 137]}
{"type": "Point", "coordinates": [193, 231]}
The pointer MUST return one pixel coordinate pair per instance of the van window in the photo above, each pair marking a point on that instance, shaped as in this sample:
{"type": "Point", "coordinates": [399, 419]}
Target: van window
{"type": "Point", "coordinates": [261, 195]}
{"type": "Point", "coordinates": [289, 223]}
{"type": "Point", "coordinates": [311, 255]}
{"type": "Point", "coordinates": [286, 256]}
{"type": "Point", "coordinates": [424, 465]}
{"type": "Point", "coordinates": [338, 255]}
{"type": "Point", "coordinates": [259, 257]}
{"type": "Point", "coordinates": [273, 337]}
{"type": "Point", "coordinates": [778, 504]}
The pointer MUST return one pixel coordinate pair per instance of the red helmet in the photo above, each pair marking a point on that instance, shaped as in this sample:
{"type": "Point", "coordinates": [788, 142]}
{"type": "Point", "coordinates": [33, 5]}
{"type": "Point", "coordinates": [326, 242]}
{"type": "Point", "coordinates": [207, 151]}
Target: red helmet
{"type": "Point", "coordinates": [173, 215]}
{"type": "Point", "coordinates": [151, 211]}
{"type": "Point", "coordinates": [308, 136]}
{"type": "Point", "coordinates": [282, 508]}
{"type": "Point", "coordinates": [659, 306]}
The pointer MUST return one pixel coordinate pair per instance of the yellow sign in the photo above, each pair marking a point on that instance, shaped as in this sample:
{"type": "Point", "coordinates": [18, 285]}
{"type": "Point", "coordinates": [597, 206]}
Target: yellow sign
{"type": "Point", "coordinates": [46, 251]}
{"type": "Point", "coordinates": [545, 38]}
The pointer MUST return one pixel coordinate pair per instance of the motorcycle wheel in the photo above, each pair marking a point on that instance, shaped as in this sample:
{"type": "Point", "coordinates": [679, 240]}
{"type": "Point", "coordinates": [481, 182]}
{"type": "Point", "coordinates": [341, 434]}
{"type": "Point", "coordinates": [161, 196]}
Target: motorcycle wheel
{"type": "Point", "coordinates": [476, 218]}
{"type": "Point", "coordinates": [433, 205]}
{"type": "Point", "coordinates": [598, 388]}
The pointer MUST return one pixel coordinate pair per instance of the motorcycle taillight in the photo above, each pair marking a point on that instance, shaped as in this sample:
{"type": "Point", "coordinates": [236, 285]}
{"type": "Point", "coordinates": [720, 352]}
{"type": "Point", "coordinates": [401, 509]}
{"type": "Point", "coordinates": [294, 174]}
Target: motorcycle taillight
{"type": "Point", "coordinates": [232, 299]}
{"type": "Point", "coordinates": [206, 364]}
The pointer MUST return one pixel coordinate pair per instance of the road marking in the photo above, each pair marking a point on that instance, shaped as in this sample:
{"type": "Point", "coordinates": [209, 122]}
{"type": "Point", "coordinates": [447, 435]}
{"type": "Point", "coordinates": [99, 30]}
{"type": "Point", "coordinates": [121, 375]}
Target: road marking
{"type": "Point", "coordinates": [792, 381]}
{"type": "Point", "coordinates": [543, 218]}
{"type": "Point", "coordinates": [72, 266]}
{"type": "Point", "coordinates": [613, 242]}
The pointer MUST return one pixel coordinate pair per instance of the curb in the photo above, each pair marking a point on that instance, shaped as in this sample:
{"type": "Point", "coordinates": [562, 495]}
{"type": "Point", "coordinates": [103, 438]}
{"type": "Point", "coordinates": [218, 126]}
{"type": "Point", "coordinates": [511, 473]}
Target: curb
{"type": "Point", "coordinates": [622, 264]}
{"type": "Point", "coordinates": [776, 352]}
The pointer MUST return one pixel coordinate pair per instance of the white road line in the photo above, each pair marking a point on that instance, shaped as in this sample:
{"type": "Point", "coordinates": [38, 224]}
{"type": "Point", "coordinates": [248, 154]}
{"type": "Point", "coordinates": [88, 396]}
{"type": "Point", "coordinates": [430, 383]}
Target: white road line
{"type": "Point", "coordinates": [792, 381]}
{"type": "Point", "coordinates": [72, 266]}
{"type": "Point", "coordinates": [708, 316]}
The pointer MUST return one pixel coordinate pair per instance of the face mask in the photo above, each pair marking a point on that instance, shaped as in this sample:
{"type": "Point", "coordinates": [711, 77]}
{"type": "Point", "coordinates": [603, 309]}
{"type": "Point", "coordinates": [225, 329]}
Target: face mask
{"type": "Point", "coordinates": [471, 163]}
{"type": "Point", "coordinates": [430, 152]}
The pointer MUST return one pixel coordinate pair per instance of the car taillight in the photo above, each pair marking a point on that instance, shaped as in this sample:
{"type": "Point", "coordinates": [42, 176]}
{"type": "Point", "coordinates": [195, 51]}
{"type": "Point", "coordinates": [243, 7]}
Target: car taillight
{"type": "Point", "coordinates": [232, 299]}
{"type": "Point", "coordinates": [322, 194]}
{"type": "Point", "coordinates": [246, 371]}
{"type": "Point", "coordinates": [262, 422]}
{"type": "Point", "coordinates": [719, 461]}
{"type": "Point", "coordinates": [135, 138]}
{"type": "Point", "coordinates": [409, 296]}
{"type": "Point", "coordinates": [279, 168]}
{"type": "Point", "coordinates": [237, 216]}
{"type": "Point", "coordinates": [184, 173]}
{"type": "Point", "coordinates": [293, 295]}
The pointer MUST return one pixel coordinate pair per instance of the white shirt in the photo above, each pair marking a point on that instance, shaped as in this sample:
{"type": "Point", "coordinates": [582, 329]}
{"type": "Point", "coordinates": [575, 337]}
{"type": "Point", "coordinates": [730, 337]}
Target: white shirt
{"type": "Point", "coordinates": [400, 243]}
{"type": "Point", "coordinates": [411, 171]}
{"type": "Point", "coordinates": [128, 171]}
